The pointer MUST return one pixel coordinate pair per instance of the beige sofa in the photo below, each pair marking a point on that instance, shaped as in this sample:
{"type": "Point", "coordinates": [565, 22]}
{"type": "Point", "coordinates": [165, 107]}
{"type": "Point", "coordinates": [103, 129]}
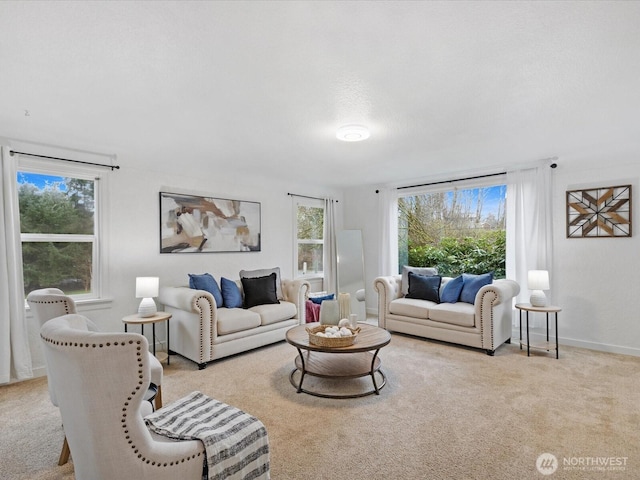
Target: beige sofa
{"type": "Point", "coordinates": [202, 332]}
{"type": "Point", "coordinates": [486, 324]}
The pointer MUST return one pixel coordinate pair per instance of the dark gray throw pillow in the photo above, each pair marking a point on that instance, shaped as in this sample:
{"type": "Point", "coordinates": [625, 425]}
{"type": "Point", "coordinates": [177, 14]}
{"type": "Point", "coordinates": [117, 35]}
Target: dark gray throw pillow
{"type": "Point", "coordinates": [259, 291]}
{"type": "Point", "coordinates": [423, 287]}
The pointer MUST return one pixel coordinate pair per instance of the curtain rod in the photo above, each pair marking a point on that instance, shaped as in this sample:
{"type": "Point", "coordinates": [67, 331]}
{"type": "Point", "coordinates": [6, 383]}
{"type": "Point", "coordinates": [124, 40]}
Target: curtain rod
{"type": "Point", "coordinates": [307, 196]}
{"type": "Point", "coordinates": [112, 167]}
{"type": "Point", "coordinates": [553, 165]}
{"type": "Point", "coordinates": [453, 181]}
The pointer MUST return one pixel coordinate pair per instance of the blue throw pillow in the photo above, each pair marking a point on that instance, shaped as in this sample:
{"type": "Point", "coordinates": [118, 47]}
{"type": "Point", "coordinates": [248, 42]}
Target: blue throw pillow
{"type": "Point", "coordinates": [208, 283]}
{"type": "Point", "coordinates": [319, 300]}
{"type": "Point", "coordinates": [451, 290]}
{"type": "Point", "coordinates": [423, 287]}
{"type": "Point", "coordinates": [473, 283]}
{"type": "Point", "coordinates": [230, 293]}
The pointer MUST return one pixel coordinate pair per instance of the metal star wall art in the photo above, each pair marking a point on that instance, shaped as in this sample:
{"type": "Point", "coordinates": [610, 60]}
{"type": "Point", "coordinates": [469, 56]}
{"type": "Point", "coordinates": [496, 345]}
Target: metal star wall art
{"type": "Point", "coordinates": [599, 212]}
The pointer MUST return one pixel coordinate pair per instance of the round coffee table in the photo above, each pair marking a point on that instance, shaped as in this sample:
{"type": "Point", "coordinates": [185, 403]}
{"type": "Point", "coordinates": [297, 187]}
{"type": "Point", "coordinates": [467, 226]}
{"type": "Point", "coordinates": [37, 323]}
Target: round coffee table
{"type": "Point", "coordinates": [357, 360]}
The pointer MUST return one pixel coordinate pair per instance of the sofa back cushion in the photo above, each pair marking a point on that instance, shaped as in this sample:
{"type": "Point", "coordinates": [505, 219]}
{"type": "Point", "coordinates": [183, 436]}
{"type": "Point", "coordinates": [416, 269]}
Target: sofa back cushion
{"type": "Point", "coordinates": [259, 290]}
{"type": "Point", "coordinates": [207, 283]}
{"type": "Point", "coordinates": [472, 284]}
{"type": "Point", "coordinates": [451, 290]}
{"type": "Point", "coordinates": [424, 287]}
{"type": "Point", "coordinates": [419, 270]}
{"type": "Point", "coordinates": [232, 297]}
{"type": "Point", "coordinates": [263, 273]}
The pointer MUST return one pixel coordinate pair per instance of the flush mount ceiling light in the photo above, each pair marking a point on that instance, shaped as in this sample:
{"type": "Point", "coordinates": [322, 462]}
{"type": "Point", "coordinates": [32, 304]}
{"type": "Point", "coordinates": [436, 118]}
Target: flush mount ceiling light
{"type": "Point", "coordinates": [352, 133]}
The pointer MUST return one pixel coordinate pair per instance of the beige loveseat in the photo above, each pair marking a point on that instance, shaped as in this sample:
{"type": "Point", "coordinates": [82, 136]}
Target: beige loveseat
{"type": "Point", "coordinates": [202, 332]}
{"type": "Point", "coordinates": [486, 324]}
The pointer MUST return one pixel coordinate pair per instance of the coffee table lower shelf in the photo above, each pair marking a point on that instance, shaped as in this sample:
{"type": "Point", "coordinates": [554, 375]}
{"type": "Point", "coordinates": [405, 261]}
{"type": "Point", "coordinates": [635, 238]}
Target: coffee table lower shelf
{"type": "Point", "coordinates": [344, 366]}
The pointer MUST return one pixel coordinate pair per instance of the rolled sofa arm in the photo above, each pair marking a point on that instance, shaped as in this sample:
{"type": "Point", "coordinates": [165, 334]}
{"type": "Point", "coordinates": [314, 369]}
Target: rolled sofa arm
{"type": "Point", "coordinates": [503, 289]}
{"type": "Point", "coordinates": [389, 288]}
{"type": "Point", "coordinates": [296, 292]}
{"type": "Point", "coordinates": [187, 299]}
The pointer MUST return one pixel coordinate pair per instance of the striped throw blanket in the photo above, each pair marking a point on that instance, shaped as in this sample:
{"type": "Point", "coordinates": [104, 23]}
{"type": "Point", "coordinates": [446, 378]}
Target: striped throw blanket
{"type": "Point", "coordinates": [236, 443]}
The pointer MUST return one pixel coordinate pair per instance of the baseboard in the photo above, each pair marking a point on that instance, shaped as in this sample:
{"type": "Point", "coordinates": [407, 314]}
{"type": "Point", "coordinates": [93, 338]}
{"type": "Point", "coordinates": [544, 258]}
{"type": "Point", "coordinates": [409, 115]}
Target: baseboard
{"type": "Point", "coordinates": [600, 347]}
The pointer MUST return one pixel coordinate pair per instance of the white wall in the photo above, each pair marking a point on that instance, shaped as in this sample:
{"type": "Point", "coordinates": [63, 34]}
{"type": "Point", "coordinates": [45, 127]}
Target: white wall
{"type": "Point", "coordinates": [132, 240]}
{"type": "Point", "coordinates": [596, 281]}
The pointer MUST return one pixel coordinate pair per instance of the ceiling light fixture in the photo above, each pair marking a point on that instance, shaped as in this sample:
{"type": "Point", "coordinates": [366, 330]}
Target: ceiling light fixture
{"type": "Point", "coordinates": [352, 133]}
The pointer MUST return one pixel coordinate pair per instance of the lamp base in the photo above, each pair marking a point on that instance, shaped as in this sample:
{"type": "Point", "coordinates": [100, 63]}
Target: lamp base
{"type": "Point", "coordinates": [147, 308]}
{"type": "Point", "coordinates": [538, 299]}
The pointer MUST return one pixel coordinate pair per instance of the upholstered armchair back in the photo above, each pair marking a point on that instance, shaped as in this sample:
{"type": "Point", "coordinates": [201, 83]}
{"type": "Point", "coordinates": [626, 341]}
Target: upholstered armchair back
{"type": "Point", "coordinates": [101, 379]}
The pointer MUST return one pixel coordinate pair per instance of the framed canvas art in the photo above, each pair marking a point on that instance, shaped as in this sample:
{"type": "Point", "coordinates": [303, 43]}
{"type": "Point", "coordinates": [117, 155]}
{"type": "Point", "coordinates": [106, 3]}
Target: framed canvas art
{"type": "Point", "coordinates": [195, 224]}
{"type": "Point", "coordinates": [599, 212]}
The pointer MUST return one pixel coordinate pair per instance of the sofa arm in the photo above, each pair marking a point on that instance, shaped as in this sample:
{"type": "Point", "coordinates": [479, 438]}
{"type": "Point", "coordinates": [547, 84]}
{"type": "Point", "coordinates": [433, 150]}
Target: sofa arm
{"type": "Point", "coordinates": [503, 290]}
{"type": "Point", "coordinates": [389, 288]}
{"type": "Point", "coordinates": [493, 306]}
{"type": "Point", "coordinates": [296, 292]}
{"type": "Point", "coordinates": [187, 299]}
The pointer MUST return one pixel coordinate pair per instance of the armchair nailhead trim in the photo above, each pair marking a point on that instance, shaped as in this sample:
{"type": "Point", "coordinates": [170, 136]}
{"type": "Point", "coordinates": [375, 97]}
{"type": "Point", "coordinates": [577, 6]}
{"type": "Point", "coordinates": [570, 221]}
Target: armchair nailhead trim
{"type": "Point", "coordinates": [126, 404]}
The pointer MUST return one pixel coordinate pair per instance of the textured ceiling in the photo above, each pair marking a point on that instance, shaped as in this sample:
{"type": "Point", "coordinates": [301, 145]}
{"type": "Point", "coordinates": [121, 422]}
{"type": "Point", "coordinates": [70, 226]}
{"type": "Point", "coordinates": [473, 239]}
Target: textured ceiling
{"type": "Point", "coordinates": [444, 87]}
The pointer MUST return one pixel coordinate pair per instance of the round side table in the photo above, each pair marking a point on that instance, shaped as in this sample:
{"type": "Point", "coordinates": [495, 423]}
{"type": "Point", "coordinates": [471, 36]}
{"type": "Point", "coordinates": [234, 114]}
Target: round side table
{"type": "Point", "coordinates": [142, 321]}
{"type": "Point", "coordinates": [527, 307]}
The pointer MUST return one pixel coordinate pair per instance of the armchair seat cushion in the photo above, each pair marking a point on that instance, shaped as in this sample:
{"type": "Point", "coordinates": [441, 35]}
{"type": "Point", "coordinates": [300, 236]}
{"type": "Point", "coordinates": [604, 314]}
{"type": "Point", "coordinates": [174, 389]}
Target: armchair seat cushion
{"type": "Point", "coordinates": [274, 313]}
{"type": "Point", "coordinates": [458, 313]}
{"type": "Point", "coordinates": [231, 320]}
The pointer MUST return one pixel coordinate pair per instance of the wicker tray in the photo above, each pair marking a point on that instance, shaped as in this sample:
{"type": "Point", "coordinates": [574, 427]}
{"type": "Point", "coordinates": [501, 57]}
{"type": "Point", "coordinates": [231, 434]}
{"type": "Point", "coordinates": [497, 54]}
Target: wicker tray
{"type": "Point", "coordinates": [331, 342]}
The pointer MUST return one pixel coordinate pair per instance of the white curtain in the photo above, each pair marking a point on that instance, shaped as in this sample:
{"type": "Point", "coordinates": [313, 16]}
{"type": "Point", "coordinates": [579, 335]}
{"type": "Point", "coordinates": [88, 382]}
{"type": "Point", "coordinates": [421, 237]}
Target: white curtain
{"type": "Point", "coordinates": [529, 228]}
{"type": "Point", "coordinates": [330, 253]}
{"type": "Point", "coordinates": [388, 208]}
{"type": "Point", "coordinates": [15, 357]}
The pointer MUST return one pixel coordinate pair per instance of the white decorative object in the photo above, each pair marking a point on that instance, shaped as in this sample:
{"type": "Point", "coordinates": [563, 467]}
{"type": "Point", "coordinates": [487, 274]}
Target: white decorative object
{"type": "Point", "coordinates": [147, 288]}
{"type": "Point", "coordinates": [538, 280]}
{"type": "Point", "coordinates": [329, 312]}
{"type": "Point", "coordinates": [344, 300]}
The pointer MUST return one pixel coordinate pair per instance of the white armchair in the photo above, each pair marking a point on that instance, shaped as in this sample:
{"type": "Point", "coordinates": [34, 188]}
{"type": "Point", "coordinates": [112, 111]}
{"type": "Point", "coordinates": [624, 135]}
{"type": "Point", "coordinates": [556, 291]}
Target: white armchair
{"type": "Point", "coordinates": [99, 381]}
{"type": "Point", "coordinates": [48, 303]}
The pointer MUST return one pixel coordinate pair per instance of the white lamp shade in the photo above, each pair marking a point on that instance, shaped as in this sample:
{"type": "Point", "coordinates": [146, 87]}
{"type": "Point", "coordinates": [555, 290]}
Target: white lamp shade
{"type": "Point", "coordinates": [147, 287]}
{"type": "Point", "coordinates": [538, 280]}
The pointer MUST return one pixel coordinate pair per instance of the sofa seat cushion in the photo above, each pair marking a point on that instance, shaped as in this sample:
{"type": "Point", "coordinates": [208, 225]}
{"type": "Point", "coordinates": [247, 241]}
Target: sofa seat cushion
{"type": "Point", "coordinates": [232, 320]}
{"type": "Point", "coordinates": [459, 313]}
{"type": "Point", "coordinates": [411, 307]}
{"type": "Point", "coordinates": [275, 312]}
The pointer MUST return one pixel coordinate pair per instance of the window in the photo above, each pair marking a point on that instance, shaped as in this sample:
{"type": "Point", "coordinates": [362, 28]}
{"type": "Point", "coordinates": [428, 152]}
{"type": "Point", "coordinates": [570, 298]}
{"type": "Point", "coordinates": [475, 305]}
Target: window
{"type": "Point", "coordinates": [309, 228]}
{"type": "Point", "coordinates": [59, 230]}
{"type": "Point", "coordinates": [460, 230]}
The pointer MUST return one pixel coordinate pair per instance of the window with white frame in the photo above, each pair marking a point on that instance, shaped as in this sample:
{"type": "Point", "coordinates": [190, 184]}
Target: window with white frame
{"type": "Point", "coordinates": [309, 229]}
{"type": "Point", "coordinates": [59, 229]}
{"type": "Point", "coordinates": [458, 230]}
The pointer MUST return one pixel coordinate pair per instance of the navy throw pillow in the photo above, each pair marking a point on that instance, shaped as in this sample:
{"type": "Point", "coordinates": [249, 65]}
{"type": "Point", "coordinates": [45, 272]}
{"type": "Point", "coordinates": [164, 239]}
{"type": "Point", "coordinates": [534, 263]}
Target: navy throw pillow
{"type": "Point", "coordinates": [424, 287]}
{"type": "Point", "coordinates": [230, 293]}
{"type": "Point", "coordinates": [319, 300]}
{"type": "Point", "coordinates": [208, 283]}
{"type": "Point", "coordinates": [260, 291]}
{"type": "Point", "coordinates": [472, 284]}
{"type": "Point", "coordinates": [452, 289]}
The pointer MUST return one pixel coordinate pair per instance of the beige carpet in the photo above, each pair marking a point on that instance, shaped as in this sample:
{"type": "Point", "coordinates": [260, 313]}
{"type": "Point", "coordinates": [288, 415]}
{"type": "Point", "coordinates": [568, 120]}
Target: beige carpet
{"type": "Point", "coordinates": [447, 412]}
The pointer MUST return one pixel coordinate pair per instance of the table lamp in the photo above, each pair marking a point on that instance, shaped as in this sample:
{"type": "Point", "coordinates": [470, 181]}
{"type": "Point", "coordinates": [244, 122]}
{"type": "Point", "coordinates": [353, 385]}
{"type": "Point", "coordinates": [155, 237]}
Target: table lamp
{"type": "Point", "coordinates": [146, 289]}
{"type": "Point", "coordinates": [538, 280]}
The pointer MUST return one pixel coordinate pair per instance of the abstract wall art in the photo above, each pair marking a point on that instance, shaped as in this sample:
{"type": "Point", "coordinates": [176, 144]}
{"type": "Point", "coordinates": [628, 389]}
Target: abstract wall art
{"type": "Point", "coordinates": [599, 212]}
{"type": "Point", "coordinates": [196, 224]}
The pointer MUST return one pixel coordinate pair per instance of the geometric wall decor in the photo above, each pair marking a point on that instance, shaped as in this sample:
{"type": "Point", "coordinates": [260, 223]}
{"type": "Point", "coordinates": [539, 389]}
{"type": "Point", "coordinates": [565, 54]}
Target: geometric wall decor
{"type": "Point", "coordinates": [599, 212]}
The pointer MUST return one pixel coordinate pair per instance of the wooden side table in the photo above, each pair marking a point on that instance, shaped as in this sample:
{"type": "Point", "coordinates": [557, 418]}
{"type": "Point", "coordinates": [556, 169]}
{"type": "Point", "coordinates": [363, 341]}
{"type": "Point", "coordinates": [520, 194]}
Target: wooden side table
{"type": "Point", "coordinates": [142, 321]}
{"type": "Point", "coordinates": [527, 307]}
